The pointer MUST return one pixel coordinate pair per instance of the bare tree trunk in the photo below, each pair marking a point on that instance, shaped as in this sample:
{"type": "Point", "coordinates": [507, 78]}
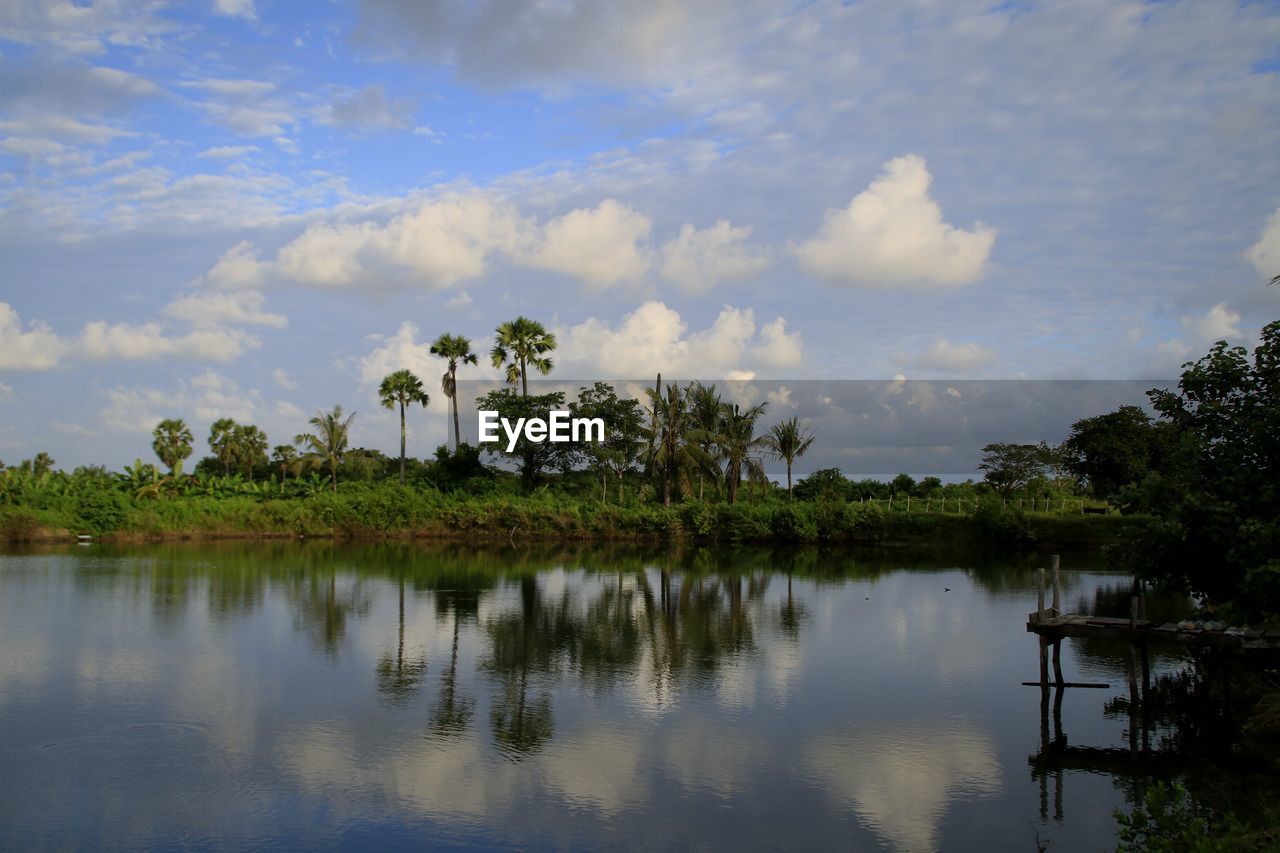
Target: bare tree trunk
{"type": "Point", "coordinates": [457, 430]}
{"type": "Point", "coordinates": [524, 376]}
{"type": "Point", "coordinates": [788, 482]}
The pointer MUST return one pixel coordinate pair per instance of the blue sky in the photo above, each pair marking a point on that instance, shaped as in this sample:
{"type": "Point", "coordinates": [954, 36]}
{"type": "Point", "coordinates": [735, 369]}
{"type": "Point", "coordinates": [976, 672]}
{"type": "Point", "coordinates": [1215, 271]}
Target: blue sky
{"type": "Point", "coordinates": [256, 209]}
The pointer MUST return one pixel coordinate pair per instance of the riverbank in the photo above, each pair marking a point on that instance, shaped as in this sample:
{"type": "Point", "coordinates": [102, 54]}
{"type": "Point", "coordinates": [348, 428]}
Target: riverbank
{"type": "Point", "coordinates": [406, 513]}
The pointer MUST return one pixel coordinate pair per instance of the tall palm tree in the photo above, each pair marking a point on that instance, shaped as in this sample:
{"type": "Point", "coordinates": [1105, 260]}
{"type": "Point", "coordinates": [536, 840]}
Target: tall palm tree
{"type": "Point", "coordinates": [788, 440]}
{"type": "Point", "coordinates": [457, 350]}
{"type": "Point", "coordinates": [674, 454]}
{"type": "Point", "coordinates": [328, 439]}
{"type": "Point", "coordinates": [404, 389]}
{"type": "Point", "coordinates": [249, 447]}
{"type": "Point", "coordinates": [737, 441]}
{"type": "Point", "coordinates": [222, 441]}
{"type": "Point", "coordinates": [520, 344]}
{"type": "Point", "coordinates": [286, 456]}
{"type": "Point", "coordinates": [172, 443]}
{"type": "Point", "coordinates": [705, 411]}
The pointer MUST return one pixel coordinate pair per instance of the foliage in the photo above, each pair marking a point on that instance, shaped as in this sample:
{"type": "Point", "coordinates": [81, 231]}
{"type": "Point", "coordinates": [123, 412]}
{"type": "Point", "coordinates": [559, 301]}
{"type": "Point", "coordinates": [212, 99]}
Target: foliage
{"type": "Point", "coordinates": [531, 457]}
{"type": "Point", "coordinates": [327, 440]}
{"type": "Point", "coordinates": [172, 443]}
{"type": "Point", "coordinates": [402, 388]}
{"type": "Point", "coordinates": [455, 350]}
{"type": "Point", "coordinates": [1118, 449]}
{"type": "Point", "coordinates": [520, 344]}
{"type": "Point", "coordinates": [623, 432]}
{"type": "Point", "coordinates": [1010, 467]}
{"type": "Point", "coordinates": [788, 441]}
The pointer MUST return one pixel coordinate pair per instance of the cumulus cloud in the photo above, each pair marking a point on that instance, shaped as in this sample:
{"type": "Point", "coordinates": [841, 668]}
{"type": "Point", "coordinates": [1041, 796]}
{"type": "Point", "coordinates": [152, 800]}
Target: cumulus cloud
{"type": "Point", "coordinates": [892, 233]}
{"type": "Point", "coordinates": [698, 260]}
{"type": "Point", "coordinates": [656, 338]}
{"type": "Point", "coordinates": [101, 341]}
{"type": "Point", "coordinates": [228, 152]}
{"type": "Point", "coordinates": [1218, 323]}
{"type": "Point", "coordinates": [401, 351]}
{"type": "Point", "coordinates": [203, 398]}
{"type": "Point", "coordinates": [35, 348]}
{"type": "Point", "coordinates": [1265, 254]}
{"type": "Point", "coordinates": [599, 246]}
{"type": "Point", "coordinates": [955, 358]}
{"type": "Point", "coordinates": [238, 267]}
{"type": "Point", "coordinates": [283, 379]}
{"type": "Point", "coordinates": [239, 308]}
{"type": "Point", "coordinates": [438, 243]}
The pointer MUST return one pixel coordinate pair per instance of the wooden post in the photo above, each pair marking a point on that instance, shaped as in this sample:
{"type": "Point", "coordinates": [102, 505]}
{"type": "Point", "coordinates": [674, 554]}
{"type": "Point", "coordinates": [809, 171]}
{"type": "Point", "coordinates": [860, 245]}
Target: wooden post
{"type": "Point", "coordinates": [908, 503]}
{"type": "Point", "coordinates": [1057, 585]}
{"type": "Point", "coordinates": [1133, 613]}
{"type": "Point", "coordinates": [1133, 703]}
{"type": "Point", "coordinates": [1040, 595]}
{"type": "Point", "coordinates": [1057, 662]}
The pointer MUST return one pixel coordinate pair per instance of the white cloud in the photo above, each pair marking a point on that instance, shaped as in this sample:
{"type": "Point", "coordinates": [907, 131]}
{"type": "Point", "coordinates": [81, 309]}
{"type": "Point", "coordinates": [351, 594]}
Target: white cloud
{"type": "Point", "coordinates": [956, 358]}
{"type": "Point", "coordinates": [400, 351]}
{"type": "Point", "coordinates": [282, 379]}
{"type": "Point", "coordinates": [1265, 254]}
{"type": "Point", "coordinates": [892, 233]}
{"type": "Point", "coordinates": [236, 9]}
{"type": "Point", "coordinates": [228, 152]}
{"type": "Point", "coordinates": [238, 267]}
{"type": "Point", "coordinates": [599, 246]}
{"type": "Point", "coordinates": [698, 260]}
{"type": "Point", "coordinates": [368, 109]}
{"type": "Point", "coordinates": [1218, 323]}
{"type": "Point", "coordinates": [655, 338]}
{"type": "Point", "coordinates": [36, 348]}
{"type": "Point", "coordinates": [101, 341]}
{"type": "Point", "coordinates": [438, 243]}
{"type": "Point", "coordinates": [6, 393]}
{"type": "Point", "coordinates": [238, 308]}
{"type": "Point", "coordinates": [200, 399]}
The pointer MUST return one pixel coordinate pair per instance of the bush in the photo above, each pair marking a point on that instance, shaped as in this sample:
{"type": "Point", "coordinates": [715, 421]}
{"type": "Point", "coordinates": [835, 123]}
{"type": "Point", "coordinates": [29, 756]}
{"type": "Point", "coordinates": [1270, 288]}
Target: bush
{"type": "Point", "coordinates": [101, 510]}
{"type": "Point", "coordinates": [996, 524]}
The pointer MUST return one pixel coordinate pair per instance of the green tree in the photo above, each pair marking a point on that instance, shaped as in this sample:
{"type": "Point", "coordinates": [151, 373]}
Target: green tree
{"type": "Point", "coordinates": [788, 441]}
{"type": "Point", "coordinates": [42, 464]}
{"type": "Point", "coordinates": [172, 443]}
{"type": "Point", "coordinates": [1010, 467]}
{"type": "Point", "coordinates": [249, 448]}
{"type": "Point", "coordinates": [739, 446]}
{"type": "Point", "coordinates": [623, 432]}
{"type": "Point", "coordinates": [520, 344]}
{"type": "Point", "coordinates": [327, 440]}
{"type": "Point", "coordinates": [455, 349]}
{"type": "Point", "coordinates": [402, 388]}
{"type": "Point", "coordinates": [1219, 534]}
{"type": "Point", "coordinates": [706, 418]}
{"type": "Point", "coordinates": [285, 457]}
{"type": "Point", "coordinates": [222, 442]}
{"type": "Point", "coordinates": [672, 457]}
{"type": "Point", "coordinates": [531, 457]}
{"type": "Point", "coordinates": [1118, 449]}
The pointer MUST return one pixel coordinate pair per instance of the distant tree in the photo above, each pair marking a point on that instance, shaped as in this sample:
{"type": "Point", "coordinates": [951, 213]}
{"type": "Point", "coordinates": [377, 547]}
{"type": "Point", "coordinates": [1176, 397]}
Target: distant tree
{"type": "Point", "coordinates": [1010, 467]}
{"type": "Point", "coordinates": [903, 485]}
{"type": "Point", "coordinates": [327, 440]}
{"type": "Point", "coordinates": [623, 432]}
{"type": "Point", "coordinates": [402, 388]}
{"type": "Point", "coordinates": [739, 446]}
{"type": "Point", "coordinates": [249, 449]}
{"type": "Point", "coordinates": [705, 422]}
{"type": "Point", "coordinates": [930, 486]}
{"type": "Point", "coordinates": [531, 457]}
{"type": "Point", "coordinates": [520, 344]}
{"type": "Point", "coordinates": [789, 441]}
{"type": "Point", "coordinates": [1118, 449]}
{"type": "Point", "coordinates": [222, 442]}
{"type": "Point", "coordinates": [284, 457]}
{"type": "Point", "coordinates": [42, 464]}
{"type": "Point", "coordinates": [823, 484]}
{"type": "Point", "coordinates": [172, 443]}
{"type": "Point", "coordinates": [455, 349]}
{"type": "Point", "coordinates": [674, 456]}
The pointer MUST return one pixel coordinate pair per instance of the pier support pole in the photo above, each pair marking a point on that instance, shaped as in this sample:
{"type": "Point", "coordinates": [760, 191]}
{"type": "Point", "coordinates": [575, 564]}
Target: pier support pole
{"type": "Point", "coordinates": [1057, 585]}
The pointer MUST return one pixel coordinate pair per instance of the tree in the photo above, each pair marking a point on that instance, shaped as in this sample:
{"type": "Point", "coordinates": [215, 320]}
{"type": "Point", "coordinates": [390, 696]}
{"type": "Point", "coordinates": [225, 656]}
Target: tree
{"type": "Point", "coordinates": [1219, 534]}
{"type": "Point", "coordinates": [789, 441]}
{"type": "Point", "coordinates": [1010, 467]}
{"type": "Point", "coordinates": [249, 448]}
{"type": "Point", "coordinates": [520, 344]}
{"type": "Point", "coordinates": [456, 349]}
{"type": "Point", "coordinates": [623, 432]}
{"type": "Point", "coordinates": [532, 457]}
{"type": "Point", "coordinates": [172, 443]}
{"type": "Point", "coordinates": [327, 440]}
{"type": "Point", "coordinates": [1118, 449]}
{"type": "Point", "coordinates": [674, 455]}
{"type": "Point", "coordinates": [737, 443]}
{"type": "Point", "coordinates": [286, 457]}
{"type": "Point", "coordinates": [42, 464]}
{"type": "Point", "coordinates": [404, 389]}
{"type": "Point", "coordinates": [706, 417]}
{"type": "Point", "coordinates": [222, 442]}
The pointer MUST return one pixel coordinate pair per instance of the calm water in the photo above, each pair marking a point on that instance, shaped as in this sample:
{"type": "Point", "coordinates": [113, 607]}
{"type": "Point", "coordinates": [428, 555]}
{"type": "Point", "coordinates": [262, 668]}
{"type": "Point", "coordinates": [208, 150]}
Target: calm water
{"type": "Point", "coordinates": [301, 696]}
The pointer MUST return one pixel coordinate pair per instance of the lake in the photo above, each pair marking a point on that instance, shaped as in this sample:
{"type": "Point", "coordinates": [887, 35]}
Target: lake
{"type": "Point", "coordinates": [320, 695]}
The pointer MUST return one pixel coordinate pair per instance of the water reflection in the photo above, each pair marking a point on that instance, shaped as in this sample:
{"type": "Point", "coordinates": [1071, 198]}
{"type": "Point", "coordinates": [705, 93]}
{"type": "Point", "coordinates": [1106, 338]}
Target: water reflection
{"type": "Point", "coordinates": [554, 696]}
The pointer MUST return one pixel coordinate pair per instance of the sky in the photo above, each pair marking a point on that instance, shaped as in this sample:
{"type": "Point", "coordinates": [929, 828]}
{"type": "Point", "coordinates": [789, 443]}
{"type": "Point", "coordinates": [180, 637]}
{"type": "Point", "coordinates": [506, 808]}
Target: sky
{"type": "Point", "coordinates": [257, 209]}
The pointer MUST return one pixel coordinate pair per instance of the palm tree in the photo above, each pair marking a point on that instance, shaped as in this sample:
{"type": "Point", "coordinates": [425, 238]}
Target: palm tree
{"type": "Point", "coordinates": [328, 439]}
{"type": "Point", "coordinates": [705, 410]}
{"type": "Point", "coordinates": [456, 349]}
{"type": "Point", "coordinates": [286, 456]}
{"type": "Point", "coordinates": [788, 440]}
{"type": "Point", "coordinates": [172, 443]}
{"type": "Point", "coordinates": [737, 441]}
{"type": "Point", "coordinates": [222, 442]}
{"type": "Point", "coordinates": [405, 389]}
{"type": "Point", "coordinates": [249, 447]}
{"type": "Point", "coordinates": [674, 454]}
{"type": "Point", "coordinates": [520, 344]}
